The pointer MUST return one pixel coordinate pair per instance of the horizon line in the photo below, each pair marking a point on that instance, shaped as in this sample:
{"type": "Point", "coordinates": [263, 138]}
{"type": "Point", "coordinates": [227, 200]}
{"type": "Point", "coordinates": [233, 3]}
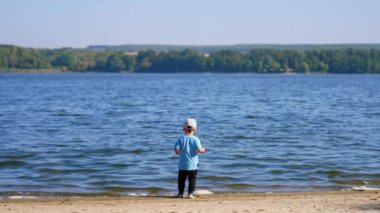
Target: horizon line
{"type": "Point", "coordinates": [193, 45]}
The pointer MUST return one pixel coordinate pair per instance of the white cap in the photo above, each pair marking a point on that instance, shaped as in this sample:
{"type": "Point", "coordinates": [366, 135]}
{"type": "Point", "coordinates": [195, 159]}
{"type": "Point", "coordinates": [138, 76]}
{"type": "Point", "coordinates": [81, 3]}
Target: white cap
{"type": "Point", "coordinates": [190, 123]}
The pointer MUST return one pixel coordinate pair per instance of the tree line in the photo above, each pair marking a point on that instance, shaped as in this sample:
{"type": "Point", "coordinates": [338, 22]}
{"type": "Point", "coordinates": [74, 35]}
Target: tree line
{"type": "Point", "coordinates": [242, 48]}
{"type": "Point", "coordinates": [14, 58]}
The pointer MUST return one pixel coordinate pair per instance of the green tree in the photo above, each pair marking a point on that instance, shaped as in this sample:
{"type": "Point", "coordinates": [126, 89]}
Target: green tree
{"type": "Point", "coordinates": [129, 62]}
{"type": "Point", "coordinates": [303, 68]}
{"type": "Point", "coordinates": [114, 64]}
{"type": "Point", "coordinates": [65, 60]}
{"type": "Point", "coordinates": [145, 59]}
{"type": "Point", "coordinates": [13, 57]}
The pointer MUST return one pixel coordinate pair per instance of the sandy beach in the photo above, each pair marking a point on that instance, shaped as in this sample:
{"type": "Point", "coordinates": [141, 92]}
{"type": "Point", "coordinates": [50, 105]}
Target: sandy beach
{"type": "Point", "coordinates": [333, 201]}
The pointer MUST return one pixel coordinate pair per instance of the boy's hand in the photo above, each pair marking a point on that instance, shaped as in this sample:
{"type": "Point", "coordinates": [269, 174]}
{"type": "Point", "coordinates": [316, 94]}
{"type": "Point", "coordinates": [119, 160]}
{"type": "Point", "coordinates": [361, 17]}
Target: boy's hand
{"type": "Point", "coordinates": [201, 150]}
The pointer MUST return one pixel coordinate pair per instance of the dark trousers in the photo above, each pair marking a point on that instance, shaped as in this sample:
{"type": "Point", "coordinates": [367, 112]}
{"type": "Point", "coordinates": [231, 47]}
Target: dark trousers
{"type": "Point", "coordinates": [182, 175]}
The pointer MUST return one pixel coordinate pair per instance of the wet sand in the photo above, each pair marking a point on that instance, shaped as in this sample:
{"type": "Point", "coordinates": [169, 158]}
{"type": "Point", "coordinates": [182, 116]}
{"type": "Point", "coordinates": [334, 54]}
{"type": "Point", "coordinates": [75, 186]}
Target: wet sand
{"type": "Point", "coordinates": [333, 201]}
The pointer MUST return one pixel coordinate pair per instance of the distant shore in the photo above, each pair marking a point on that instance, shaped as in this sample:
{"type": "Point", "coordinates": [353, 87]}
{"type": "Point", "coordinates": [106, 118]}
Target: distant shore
{"type": "Point", "coordinates": [330, 201]}
{"type": "Point", "coordinates": [325, 59]}
{"type": "Point", "coordinates": [57, 71]}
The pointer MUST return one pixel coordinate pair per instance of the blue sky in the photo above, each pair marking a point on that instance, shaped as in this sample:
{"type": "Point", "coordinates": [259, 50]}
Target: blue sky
{"type": "Point", "coordinates": [78, 23]}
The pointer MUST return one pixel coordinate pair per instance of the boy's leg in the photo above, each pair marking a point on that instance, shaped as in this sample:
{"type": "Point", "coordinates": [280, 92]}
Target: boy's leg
{"type": "Point", "coordinates": [192, 181]}
{"type": "Point", "coordinates": [182, 174]}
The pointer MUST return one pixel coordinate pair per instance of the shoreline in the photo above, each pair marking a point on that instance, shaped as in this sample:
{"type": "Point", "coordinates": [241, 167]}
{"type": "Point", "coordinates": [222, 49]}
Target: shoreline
{"type": "Point", "coordinates": [4, 195]}
{"type": "Point", "coordinates": [321, 201]}
{"type": "Point", "coordinates": [57, 71]}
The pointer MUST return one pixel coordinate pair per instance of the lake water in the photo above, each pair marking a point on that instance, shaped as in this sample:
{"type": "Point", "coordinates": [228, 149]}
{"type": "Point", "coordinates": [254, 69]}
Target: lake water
{"type": "Point", "coordinates": [114, 133]}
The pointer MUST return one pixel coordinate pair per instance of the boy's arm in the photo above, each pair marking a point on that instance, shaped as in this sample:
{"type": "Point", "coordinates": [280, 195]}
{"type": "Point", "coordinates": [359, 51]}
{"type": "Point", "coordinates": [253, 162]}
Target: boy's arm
{"type": "Point", "coordinates": [200, 149]}
{"type": "Point", "coordinates": [176, 148]}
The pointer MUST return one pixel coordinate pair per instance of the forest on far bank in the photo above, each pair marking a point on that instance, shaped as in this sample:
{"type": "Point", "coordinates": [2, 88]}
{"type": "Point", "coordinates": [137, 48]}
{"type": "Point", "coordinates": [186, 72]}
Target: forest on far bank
{"type": "Point", "coordinates": [14, 59]}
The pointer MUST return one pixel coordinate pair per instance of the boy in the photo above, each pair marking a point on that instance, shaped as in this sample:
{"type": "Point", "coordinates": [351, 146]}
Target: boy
{"type": "Point", "coordinates": [187, 147]}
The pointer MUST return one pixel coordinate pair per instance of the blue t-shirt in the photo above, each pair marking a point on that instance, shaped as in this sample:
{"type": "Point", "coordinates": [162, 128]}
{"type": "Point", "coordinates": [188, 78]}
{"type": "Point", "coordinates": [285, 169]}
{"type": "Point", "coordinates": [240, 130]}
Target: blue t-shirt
{"type": "Point", "coordinates": [188, 152]}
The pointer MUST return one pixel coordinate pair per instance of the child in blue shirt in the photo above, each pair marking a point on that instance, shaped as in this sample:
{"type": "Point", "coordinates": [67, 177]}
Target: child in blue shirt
{"type": "Point", "coordinates": [187, 147]}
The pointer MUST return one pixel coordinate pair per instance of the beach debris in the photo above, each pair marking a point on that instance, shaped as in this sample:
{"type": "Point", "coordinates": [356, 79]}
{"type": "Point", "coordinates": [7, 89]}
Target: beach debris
{"type": "Point", "coordinates": [203, 192]}
{"type": "Point", "coordinates": [21, 197]}
{"type": "Point", "coordinates": [138, 195]}
{"type": "Point", "coordinates": [364, 188]}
